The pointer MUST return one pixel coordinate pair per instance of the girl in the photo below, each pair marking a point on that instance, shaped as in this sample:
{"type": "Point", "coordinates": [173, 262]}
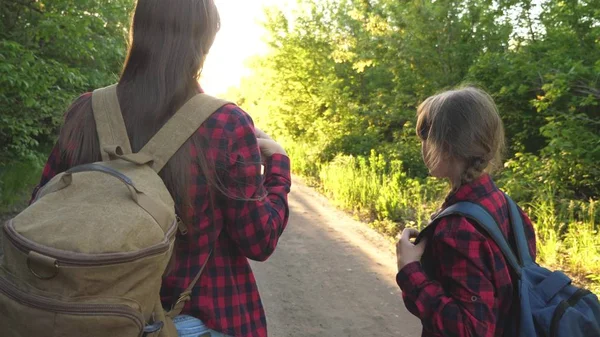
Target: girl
{"type": "Point", "coordinates": [215, 178]}
{"type": "Point", "coordinates": [471, 289]}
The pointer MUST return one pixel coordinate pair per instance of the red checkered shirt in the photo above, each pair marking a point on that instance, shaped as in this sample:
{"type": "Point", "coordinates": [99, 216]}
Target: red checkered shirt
{"type": "Point", "coordinates": [471, 291]}
{"type": "Point", "coordinates": [226, 298]}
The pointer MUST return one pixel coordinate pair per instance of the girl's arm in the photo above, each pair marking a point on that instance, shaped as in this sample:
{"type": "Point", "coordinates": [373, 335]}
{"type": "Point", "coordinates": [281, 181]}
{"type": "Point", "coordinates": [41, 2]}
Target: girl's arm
{"type": "Point", "coordinates": [463, 303]}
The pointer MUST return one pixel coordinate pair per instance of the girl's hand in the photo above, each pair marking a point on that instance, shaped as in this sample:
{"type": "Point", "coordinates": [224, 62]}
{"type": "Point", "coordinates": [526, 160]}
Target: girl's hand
{"type": "Point", "coordinates": [260, 134]}
{"type": "Point", "coordinates": [267, 145]}
{"type": "Point", "coordinates": [406, 251]}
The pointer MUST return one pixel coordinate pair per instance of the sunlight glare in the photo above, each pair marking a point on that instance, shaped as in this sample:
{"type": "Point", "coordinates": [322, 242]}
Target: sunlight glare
{"type": "Point", "coordinates": [240, 38]}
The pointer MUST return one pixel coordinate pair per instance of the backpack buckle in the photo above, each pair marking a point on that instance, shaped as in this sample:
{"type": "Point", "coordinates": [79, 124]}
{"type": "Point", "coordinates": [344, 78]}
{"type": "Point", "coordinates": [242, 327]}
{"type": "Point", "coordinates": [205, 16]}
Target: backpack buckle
{"type": "Point", "coordinates": [182, 298]}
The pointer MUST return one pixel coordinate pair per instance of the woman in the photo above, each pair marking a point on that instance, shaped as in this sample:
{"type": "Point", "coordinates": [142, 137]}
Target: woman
{"type": "Point", "coordinates": [215, 178]}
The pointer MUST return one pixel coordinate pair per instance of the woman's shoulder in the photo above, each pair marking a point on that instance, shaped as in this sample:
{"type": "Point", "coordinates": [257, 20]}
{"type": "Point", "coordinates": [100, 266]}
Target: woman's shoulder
{"type": "Point", "coordinates": [230, 117]}
{"type": "Point", "coordinates": [78, 104]}
{"type": "Point", "coordinates": [457, 228]}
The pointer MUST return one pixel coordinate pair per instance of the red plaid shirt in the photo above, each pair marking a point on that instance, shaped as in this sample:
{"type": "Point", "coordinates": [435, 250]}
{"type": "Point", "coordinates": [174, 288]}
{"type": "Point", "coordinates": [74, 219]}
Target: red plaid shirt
{"type": "Point", "coordinates": [226, 298]}
{"type": "Point", "coordinates": [471, 293]}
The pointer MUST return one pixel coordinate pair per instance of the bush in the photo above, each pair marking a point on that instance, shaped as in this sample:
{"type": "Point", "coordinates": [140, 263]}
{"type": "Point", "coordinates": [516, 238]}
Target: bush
{"type": "Point", "coordinates": [50, 53]}
{"type": "Point", "coordinates": [17, 181]}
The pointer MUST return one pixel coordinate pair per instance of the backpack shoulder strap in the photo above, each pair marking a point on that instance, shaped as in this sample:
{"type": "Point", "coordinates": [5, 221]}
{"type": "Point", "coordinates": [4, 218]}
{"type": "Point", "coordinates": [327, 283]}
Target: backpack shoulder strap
{"type": "Point", "coordinates": [109, 121]}
{"type": "Point", "coordinates": [485, 220]}
{"type": "Point", "coordinates": [516, 221]}
{"type": "Point", "coordinates": [179, 128]}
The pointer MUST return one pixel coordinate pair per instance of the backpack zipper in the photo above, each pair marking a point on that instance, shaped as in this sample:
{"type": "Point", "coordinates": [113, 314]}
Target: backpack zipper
{"type": "Point", "coordinates": [79, 309]}
{"type": "Point", "coordinates": [64, 258]}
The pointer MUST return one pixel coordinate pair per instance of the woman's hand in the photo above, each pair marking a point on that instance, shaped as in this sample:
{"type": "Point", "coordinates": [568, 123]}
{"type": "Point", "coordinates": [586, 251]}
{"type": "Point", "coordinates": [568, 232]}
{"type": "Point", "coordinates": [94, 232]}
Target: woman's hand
{"type": "Point", "coordinates": [260, 134]}
{"type": "Point", "coordinates": [267, 145]}
{"type": "Point", "coordinates": [406, 251]}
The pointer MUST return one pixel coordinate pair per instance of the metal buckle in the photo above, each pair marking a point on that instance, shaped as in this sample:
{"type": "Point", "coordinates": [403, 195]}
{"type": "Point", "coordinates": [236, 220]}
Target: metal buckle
{"type": "Point", "coordinates": [41, 277]}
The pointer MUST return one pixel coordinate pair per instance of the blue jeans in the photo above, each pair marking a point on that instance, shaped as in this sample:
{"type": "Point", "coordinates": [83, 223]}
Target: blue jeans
{"type": "Point", "coordinates": [188, 326]}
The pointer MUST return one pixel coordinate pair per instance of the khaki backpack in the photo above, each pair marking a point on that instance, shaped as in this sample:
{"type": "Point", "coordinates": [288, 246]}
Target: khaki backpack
{"type": "Point", "coordinates": [87, 257]}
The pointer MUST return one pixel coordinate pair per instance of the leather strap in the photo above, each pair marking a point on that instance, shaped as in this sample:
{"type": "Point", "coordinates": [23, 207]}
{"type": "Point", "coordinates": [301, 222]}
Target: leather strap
{"type": "Point", "coordinates": [109, 120]}
{"type": "Point", "coordinates": [186, 295]}
{"type": "Point", "coordinates": [179, 128]}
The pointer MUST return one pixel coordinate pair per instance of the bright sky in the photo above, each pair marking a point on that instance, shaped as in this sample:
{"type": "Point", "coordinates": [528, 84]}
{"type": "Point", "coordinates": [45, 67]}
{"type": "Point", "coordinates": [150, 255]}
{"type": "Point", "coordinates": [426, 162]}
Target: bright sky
{"type": "Point", "coordinates": [240, 37]}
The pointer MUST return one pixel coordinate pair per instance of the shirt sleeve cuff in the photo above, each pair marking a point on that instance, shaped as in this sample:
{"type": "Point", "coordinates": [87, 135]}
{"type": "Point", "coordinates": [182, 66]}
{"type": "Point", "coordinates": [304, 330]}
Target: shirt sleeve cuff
{"type": "Point", "coordinates": [411, 279]}
{"type": "Point", "coordinates": [278, 164]}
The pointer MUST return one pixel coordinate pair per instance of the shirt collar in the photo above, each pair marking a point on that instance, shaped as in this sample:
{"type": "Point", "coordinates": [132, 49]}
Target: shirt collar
{"type": "Point", "coordinates": [472, 191]}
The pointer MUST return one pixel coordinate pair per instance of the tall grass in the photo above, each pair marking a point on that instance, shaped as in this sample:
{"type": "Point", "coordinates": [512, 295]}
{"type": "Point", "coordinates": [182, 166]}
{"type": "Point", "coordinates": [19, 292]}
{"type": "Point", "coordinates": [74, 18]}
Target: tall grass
{"type": "Point", "coordinates": [548, 227]}
{"type": "Point", "coordinates": [380, 192]}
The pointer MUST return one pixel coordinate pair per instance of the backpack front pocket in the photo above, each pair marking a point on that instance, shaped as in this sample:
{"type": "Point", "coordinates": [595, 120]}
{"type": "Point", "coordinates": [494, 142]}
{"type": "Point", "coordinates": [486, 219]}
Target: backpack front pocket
{"type": "Point", "coordinates": [61, 318]}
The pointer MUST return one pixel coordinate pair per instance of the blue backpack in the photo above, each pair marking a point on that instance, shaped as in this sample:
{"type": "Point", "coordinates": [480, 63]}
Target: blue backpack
{"type": "Point", "coordinates": [550, 306]}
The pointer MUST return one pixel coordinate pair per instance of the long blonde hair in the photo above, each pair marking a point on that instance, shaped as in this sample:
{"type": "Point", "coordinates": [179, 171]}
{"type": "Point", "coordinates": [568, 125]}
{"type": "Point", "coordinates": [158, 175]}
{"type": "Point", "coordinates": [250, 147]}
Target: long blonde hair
{"type": "Point", "coordinates": [462, 124]}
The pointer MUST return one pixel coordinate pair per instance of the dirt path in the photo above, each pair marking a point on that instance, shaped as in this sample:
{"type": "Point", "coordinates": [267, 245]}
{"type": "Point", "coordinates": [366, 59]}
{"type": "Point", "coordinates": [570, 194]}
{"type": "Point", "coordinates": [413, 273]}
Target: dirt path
{"type": "Point", "coordinates": [331, 276]}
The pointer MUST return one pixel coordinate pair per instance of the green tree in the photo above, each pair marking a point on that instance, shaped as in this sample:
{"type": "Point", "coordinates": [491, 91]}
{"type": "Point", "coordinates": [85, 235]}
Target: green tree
{"type": "Point", "coordinates": [51, 52]}
{"type": "Point", "coordinates": [346, 76]}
